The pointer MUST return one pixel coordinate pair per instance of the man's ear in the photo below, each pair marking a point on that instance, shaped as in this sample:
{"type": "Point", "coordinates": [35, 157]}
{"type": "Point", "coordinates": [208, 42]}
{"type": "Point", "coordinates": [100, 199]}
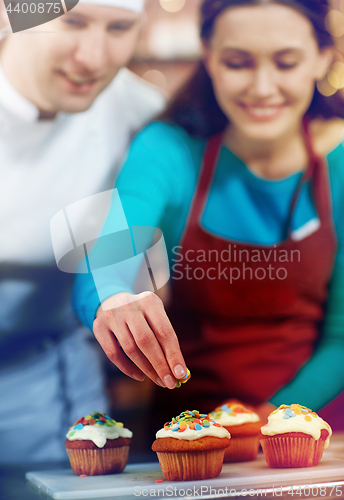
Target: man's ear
{"type": "Point", "coordinates": [325, 60]}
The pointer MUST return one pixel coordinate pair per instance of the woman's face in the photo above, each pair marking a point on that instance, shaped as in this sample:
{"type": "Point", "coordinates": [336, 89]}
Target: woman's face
{"type": "Point", "coordinates": [264, 61]}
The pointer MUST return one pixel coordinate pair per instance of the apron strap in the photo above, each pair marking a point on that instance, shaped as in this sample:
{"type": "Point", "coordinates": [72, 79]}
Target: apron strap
{"type": "Point", "coordinates": [316, 171]}
{"type": "Point", "coordinates": [209, 163]}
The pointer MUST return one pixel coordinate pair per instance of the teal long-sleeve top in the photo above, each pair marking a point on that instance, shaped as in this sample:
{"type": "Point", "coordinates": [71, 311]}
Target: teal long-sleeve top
{"type": "Point", "coordinates": [156, 186]}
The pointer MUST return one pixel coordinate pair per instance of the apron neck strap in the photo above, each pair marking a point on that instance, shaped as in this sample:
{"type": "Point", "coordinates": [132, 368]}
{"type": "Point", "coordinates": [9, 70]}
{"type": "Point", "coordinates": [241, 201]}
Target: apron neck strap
{"type": "Point", "coordinates": [315, 171]}
{"type": "Point", "coordinates": [210, 159]}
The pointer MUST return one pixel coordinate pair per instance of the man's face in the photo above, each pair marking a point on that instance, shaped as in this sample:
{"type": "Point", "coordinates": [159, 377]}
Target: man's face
{"type": "Point", "coordinates": [66, 68]}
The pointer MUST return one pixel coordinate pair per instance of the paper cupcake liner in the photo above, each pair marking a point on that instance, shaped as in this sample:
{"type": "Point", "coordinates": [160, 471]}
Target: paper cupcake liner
{"type": "Point", "coordinates": [191, 465]}
{"type": "Point", "coordinates": [289, 451]}
{"type": "Point", "coordinates": [242, 449]}
{"type": "Point", "coordinates": [100, 461]}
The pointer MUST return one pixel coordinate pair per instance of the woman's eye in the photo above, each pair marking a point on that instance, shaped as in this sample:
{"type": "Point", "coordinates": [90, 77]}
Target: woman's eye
{"type": "Point", "coordinates": [286, 64]}
{"type": "Point", "coordinates": [237, 64]}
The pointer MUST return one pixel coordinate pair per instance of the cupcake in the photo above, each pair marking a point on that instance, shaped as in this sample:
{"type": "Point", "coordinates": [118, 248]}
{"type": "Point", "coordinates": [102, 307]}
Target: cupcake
{"type": "Point", "coordinates": [294, 436]}
{"type": "Point", "coordinates": [243, 425]}
{"type": "Point", "coordinates": [191, 447]}
{"type": "Point", "coordinates": [96, 445]}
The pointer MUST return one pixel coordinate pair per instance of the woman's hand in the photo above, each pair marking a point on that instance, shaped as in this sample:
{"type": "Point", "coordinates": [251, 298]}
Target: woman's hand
{"type": "Point", "coordinates": [137, 328]}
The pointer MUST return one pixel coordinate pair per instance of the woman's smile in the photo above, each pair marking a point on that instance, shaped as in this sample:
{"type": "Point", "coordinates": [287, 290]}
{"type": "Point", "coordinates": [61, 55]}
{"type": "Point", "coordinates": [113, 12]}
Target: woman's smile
{"type": "Point", "coordinates": [262, 112]}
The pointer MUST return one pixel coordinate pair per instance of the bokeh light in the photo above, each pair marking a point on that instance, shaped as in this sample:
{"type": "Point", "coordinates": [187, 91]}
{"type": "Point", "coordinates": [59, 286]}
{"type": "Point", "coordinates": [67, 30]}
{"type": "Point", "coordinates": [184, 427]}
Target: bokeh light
{"type": "Point", "coordinates": [335, 23]}
{"type": "Point", "coordinates": [336, 75]}
{"type": "Point", "coordinates": [172, 5]}
{"type": "Point", "coordinates": [156, 78]}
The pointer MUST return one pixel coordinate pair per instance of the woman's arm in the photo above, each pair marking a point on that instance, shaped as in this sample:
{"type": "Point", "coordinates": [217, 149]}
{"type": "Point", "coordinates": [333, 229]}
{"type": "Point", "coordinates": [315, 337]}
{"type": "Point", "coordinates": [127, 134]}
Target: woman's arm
{"type": "Point", "coordinates": [321, 379]}
{"type": "Point", "coordinates": [134, 330]}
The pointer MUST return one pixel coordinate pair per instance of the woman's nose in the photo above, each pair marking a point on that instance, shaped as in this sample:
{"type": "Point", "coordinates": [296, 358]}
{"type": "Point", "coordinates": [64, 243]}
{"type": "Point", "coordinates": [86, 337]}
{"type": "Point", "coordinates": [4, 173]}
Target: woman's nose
{"type": "Point", "coordinates": [264, 82]}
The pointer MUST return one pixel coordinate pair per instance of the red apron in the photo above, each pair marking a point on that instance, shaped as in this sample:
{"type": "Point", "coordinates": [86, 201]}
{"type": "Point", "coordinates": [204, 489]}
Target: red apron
{"type": "Point", "coordinates": [248, 338]}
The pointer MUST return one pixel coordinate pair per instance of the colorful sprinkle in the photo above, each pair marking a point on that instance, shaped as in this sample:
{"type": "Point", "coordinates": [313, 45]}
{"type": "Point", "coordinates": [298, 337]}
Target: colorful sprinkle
{"type": "Point", "coordinates": [231, 409]}
{"type": "Point", "coordinates": [185, 379]}
{"type": "Point", "coordinates": [295, 410]}
{"type": "Point", "coordinates": [159, 480]}
{"type": "Point", "coordinates": [189, 419]}
{"type": "Point", "coordinates": [96, 418]}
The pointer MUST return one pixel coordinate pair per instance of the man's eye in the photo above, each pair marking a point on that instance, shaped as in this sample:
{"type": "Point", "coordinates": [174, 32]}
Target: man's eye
{"type": "Point", "coordinates": [118, 27]}
{"type": "Point", "coordinates": [73, 22]}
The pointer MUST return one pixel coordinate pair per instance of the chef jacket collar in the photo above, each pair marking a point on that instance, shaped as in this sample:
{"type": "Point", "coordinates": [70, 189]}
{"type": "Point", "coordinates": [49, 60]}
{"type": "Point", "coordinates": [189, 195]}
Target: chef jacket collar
{"type": "Point", "coordinates": [15, 102]}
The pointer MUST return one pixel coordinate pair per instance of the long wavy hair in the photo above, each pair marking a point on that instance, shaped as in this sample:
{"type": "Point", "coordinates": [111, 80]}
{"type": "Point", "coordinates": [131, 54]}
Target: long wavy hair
{"type": "Point", "coordinates": [195, 107]}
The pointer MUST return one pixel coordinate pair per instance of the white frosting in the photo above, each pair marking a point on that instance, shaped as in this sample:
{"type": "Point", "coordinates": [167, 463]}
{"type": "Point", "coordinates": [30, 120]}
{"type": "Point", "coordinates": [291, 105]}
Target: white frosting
{"type": "Point", "coordinates": [191, 434]}
{"type": "Point", "coordinates": [277, 424]}
{"type": "Point", "coordinates": [98, 434]}
{"type": "Point", "coordinates": [240, 418]}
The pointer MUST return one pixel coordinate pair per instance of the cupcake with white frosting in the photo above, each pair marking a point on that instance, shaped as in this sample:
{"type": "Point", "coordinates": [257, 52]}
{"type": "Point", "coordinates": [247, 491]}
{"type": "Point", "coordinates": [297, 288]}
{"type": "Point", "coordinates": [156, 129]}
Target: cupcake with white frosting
{"type": "Point", "coordinates": [191, 447]}
{"type": "Point", "coordinates": [294, 436]}
{"type": "Point", "coordinates": [244, 426]}
{"type": "Point", "coordinates": [97, 444]}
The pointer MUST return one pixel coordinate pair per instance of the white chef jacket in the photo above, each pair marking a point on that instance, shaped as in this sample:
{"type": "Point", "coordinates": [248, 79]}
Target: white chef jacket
{"type": "Point", "coordinates": [44, 167]}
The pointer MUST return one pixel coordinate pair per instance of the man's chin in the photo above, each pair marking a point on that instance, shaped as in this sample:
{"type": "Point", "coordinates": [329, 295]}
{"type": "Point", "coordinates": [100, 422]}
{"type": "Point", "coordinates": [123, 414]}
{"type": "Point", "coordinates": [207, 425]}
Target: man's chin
{"type": "Point", "coordinates": [75, 107]}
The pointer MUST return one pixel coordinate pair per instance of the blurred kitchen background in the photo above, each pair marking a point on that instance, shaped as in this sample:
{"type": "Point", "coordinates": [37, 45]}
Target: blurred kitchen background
{"type": "Point", "coordinates": [167, 54]}
{"type": "Point", "coordinates": [169, 46]}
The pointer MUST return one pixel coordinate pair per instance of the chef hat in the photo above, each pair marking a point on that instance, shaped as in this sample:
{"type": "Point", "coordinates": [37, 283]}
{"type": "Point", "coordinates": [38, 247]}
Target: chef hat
{"type": "Point", "coordinates": [135, 5]}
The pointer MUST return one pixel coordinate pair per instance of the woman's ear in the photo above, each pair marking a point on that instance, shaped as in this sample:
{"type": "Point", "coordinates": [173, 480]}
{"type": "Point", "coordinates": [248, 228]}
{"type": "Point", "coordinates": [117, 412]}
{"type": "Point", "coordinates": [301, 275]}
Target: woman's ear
{"type": "Point", "coordinates": [326, 58]}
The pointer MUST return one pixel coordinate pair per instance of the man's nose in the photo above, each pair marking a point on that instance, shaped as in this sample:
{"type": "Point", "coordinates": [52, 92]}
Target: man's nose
{"type": "Point", "coordinates": [91, 51]}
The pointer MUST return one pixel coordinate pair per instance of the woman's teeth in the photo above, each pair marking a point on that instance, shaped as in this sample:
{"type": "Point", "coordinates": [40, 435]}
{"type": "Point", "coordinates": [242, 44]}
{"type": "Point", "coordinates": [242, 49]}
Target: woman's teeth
{"type": "Point", "coordinates": [263, 111]}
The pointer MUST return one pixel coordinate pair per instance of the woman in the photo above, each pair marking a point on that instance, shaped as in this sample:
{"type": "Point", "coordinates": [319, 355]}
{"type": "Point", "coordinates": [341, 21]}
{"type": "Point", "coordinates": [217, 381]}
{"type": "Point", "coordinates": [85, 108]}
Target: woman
{"type": "Point", "coordinates": [236, 177]}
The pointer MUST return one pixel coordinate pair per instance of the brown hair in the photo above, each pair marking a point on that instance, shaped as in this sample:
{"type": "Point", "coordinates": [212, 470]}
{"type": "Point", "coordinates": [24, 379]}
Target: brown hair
{"type": "Point", "coordinates": [195, 107]}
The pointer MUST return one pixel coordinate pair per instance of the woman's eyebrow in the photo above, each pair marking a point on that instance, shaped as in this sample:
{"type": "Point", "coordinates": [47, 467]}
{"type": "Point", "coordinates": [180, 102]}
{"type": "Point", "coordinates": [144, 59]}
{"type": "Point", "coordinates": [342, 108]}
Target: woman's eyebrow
{"type": "Point", "coordinates": [236, 51]}
{"type": "Point", "coordinates": [291, 50]}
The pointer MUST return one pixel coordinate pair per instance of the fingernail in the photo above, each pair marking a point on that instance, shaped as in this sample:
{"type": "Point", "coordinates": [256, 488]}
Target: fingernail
{"type": "Point", "coordinates": [160, 382]}
{"type": "Point", "coordinates": [138, 376]}
{"type": "Point", "coordinates": [169, 382]}
{"type": "Point", "coordinates": [179, 371]}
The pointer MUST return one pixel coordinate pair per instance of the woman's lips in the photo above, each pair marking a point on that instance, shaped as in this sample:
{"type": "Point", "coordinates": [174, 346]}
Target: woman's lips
{"type": "Point", "coordinates": [262, 113]}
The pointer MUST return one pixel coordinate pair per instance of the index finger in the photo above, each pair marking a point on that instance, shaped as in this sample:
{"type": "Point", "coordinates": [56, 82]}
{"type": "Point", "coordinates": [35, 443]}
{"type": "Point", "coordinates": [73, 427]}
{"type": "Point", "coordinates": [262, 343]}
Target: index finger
{"type": "Point", "coordinates": [168, 340]}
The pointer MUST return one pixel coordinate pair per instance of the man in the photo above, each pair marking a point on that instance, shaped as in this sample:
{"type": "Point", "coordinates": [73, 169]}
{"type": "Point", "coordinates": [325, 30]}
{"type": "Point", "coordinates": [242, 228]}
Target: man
{"type": "Point", "coordinates": [65, 123]}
